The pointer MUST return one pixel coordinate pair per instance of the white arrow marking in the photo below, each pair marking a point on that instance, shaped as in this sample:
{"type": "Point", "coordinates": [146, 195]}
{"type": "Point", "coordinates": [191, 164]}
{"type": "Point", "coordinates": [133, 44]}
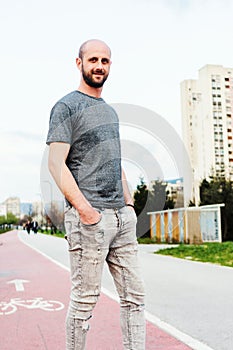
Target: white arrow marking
{"type": "Point", "coordinates": [18, 284]}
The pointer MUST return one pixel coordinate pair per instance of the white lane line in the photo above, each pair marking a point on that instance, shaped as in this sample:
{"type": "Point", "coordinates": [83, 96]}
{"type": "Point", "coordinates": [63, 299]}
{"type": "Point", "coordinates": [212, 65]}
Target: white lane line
{"type": "Point", "coordinates": [183, 337]}
{"type": "Point", "coordinates": [176, 333]}
{"type": "Point", "coordinates": [193, 343]}
{"type": "Point", "coordinates": [45, 255]}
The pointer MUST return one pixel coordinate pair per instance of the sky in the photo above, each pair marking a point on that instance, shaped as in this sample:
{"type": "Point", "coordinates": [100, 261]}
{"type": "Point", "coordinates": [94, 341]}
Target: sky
{"type": "Point", "coordinates": [155, 45]}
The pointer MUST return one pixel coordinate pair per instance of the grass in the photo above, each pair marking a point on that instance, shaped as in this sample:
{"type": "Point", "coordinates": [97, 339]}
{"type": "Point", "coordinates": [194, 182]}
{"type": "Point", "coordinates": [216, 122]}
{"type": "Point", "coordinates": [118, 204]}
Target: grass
{"type": "Point", "coordinates": [154, 240]}
{"type": "Point", "coordinates": [147, 240]}
{"type": "Point", "coordinates": [216, 253]}
{"type": "Point", "coordinates": [3, 230]}
{"type": "Point", "coordinates": [57, 234]}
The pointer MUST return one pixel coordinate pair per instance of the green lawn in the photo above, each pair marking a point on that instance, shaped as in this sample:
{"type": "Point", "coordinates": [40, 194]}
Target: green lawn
{"type": "Point", "coordinates": [5, 230]}
{"type": "Point", "coordinates": [217, 253]}
{"type": "Point", "coordinates": [57, 234]}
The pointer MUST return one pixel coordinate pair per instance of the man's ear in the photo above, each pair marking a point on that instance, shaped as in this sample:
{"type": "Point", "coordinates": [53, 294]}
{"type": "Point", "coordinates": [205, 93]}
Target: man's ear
{"type": "Point", "coordinates": [79, 63]}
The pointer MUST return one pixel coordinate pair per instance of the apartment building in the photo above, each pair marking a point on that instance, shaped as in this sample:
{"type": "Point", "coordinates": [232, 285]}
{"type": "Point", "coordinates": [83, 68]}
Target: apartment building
{"type": "Point", "coordinates": [207, 122]}
{"type": "Point", "coordinates": [13, 206]}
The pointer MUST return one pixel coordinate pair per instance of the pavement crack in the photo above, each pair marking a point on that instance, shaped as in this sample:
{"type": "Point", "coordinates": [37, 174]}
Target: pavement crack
{"type": "Point", "coordinates": [42, 337]}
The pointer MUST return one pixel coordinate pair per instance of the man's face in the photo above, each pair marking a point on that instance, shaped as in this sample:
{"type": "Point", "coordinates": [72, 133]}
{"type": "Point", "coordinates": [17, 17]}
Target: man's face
{"type": "Point", "coordinates": [95, 65]}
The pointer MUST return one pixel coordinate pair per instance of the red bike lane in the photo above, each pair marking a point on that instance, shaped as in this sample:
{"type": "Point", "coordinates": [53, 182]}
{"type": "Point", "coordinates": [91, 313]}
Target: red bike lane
{"type": "Point", "coordinates": [34, 295]}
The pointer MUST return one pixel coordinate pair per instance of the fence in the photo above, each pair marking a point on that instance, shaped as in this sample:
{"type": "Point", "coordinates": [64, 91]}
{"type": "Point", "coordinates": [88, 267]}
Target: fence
{"type": "Point", "coordinates": [187, 225]}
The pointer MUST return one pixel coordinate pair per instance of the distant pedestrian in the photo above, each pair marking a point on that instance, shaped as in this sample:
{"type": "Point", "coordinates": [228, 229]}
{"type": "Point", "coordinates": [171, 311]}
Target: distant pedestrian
{"type": "Point", "coordinates": [34, 226]}
{"type": "Point", "coordinates": [28, 226]}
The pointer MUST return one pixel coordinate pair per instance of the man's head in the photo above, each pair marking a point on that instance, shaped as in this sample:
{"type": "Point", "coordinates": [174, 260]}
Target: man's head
{"type": "Point", "coordinates": [94, 62]}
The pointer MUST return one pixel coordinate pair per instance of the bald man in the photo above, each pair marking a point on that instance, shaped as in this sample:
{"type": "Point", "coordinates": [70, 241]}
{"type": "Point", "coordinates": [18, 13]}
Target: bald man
{"type": "Point", "coordinates": [100, 221]}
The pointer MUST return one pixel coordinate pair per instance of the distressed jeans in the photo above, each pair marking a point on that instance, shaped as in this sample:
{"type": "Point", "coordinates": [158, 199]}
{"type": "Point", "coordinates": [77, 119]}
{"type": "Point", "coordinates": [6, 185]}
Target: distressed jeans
{"type": "Point", "coordinates": [112, 239]}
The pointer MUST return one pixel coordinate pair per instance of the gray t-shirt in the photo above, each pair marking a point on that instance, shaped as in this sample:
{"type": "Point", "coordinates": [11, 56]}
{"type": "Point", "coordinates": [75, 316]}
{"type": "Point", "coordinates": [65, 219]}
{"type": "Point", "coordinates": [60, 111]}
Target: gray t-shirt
{"type": "Point", "coordinates": [91, 127]}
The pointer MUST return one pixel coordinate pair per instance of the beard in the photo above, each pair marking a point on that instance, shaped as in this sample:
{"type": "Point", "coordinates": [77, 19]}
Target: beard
{"type": "Point", "coordinates": [89, 79]}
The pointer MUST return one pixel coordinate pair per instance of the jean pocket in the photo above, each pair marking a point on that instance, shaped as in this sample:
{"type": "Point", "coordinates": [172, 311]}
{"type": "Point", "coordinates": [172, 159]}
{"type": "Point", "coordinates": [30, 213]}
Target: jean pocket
{"type": "Point", "coordinates": [92, 225]}
{"type": "Point", "coordinates": [67, 209]}
{"type": "Point", "coordinates": [131, 213]}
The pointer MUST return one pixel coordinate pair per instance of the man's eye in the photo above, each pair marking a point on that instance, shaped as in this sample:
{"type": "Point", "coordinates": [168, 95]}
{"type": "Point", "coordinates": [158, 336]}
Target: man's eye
{"type": "Point", "coordinates": [93, 59]}
{"type": "Point", "coordinates": [105, 61]}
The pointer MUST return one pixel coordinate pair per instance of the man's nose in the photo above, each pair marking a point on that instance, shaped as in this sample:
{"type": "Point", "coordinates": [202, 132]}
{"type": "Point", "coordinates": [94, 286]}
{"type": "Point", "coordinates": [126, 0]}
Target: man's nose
{"type": "Point", "coordinates": [99, 64]}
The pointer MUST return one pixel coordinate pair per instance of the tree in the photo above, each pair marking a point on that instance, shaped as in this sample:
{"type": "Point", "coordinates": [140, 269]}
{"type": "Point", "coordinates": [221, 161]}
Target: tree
{"type": "Point", "coordinates": [158, 197]}
{"type": "Point", "coordinates": [146, 201]}
{"type": "Point", "coordinates": [2, 220]}
{"type": "Point", "coordinates": [140, 196]}
{"type": "Point", "coordinates": [169, 203]}
{"type": "Point", "coordinates": [141, 205]}
{"type": "Point", "coordinates": [24, 220]}
{"type": "Point", "coordinates": [219, 190]}
{"type": "Point", "coordinates": [11, 219]}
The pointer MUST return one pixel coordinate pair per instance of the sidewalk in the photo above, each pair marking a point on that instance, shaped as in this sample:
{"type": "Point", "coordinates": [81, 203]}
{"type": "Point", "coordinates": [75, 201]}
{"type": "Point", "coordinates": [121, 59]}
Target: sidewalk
{"type": "Point", "coordinates": [35, 319]}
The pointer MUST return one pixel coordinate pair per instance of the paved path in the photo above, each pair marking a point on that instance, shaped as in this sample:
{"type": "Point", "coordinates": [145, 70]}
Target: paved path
{"type": "Point", "coordinates": [35, 318]}
{"type": "Point", "coordinates": [190, 300]}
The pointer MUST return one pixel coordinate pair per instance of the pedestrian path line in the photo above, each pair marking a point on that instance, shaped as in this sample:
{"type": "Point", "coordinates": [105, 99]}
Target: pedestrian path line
{"type": "Point", "coordinates": [181, 336]}
{"type": "Point", "coordinates": [42, 253]}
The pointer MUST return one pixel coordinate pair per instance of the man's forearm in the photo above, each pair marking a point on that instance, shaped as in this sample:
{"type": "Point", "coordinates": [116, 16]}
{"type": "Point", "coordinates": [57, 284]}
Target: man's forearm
{"type": "Point", "coordinates": [127, 195]}
{"type": "Point", "coordinates": [72, 192]}
{"type": "Point", "coordinates": [67, 184]}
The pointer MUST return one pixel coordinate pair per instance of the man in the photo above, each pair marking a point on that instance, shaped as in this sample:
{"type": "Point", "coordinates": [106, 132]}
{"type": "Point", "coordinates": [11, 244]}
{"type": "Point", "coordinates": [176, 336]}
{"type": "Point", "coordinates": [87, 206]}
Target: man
{"type": "Point", "coordinates": [85, 161]}
{"type": "Point", "coordinates": [34, 226]}
{"type": "Point", "coordinates": [28, 226]}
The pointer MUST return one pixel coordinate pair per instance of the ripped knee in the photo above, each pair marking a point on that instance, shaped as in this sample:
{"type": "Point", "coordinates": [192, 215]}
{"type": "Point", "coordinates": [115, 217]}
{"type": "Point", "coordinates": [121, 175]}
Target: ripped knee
{"type": "Point", "coordinates": [85, 325]}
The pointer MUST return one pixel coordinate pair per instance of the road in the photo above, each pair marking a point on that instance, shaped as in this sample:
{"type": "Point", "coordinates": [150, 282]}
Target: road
{"type": "Point", "coordinates": [34, 295]}
{"type": "Point", "coordinates": [190, 299]}
{"type": "Point", "coordinates": [194, 297]}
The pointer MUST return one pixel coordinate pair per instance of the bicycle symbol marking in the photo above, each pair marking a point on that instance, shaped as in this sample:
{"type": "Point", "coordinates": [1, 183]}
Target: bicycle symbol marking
{"type": "Point", "coordinates": [8, 308]}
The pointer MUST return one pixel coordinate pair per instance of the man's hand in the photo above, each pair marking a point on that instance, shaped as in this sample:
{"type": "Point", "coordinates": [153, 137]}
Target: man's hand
{"type": "Point", "coordinates": [90, 216]}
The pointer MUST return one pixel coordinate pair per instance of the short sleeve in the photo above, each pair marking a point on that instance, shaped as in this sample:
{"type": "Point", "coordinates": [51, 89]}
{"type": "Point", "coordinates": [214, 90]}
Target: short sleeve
{"type": "Point", "coordinates": [60, 124]}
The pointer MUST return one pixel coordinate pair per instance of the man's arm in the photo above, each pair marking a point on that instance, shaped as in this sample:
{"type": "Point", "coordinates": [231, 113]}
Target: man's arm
{"type": "Point", "coordinates": [64, 179]}
{"type": "Point", "coordinates": [127, 195]}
